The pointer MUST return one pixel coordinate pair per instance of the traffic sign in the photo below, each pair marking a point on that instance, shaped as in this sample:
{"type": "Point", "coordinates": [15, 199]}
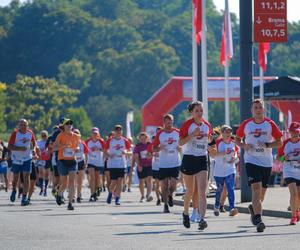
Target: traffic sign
{"type": "Point", "coordinates": [270, 21]}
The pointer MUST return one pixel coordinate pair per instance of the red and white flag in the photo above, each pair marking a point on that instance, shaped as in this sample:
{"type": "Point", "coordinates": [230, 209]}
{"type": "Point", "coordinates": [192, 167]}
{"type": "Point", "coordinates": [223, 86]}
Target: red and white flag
{"type": "Point", "coordinates": [263, 49]}
{"type": "Point", "coordinates": [226, 43]}
{"type": "Point", "coordinates": [198, 19]}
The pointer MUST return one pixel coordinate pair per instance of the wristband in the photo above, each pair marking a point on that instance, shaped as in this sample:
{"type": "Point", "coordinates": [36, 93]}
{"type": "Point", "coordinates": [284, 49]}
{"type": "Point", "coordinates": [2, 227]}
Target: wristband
{"type": "Point", "coordinates": [267, 144]}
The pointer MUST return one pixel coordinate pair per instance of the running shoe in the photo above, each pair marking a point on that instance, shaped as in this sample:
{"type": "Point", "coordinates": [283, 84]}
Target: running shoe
{"type": "Point", "coordinates": [41, 192]}
{"type": "Point", "coordinates": [129, 190]}
{"type": "Point", "coordinates": [45, 193]}
{"type": "Point", "coordinates": [251, 211]}
{"type": "Point", "coordinates": [59, 200]}
{"type": "Point", "coordinates": [70, 206]}
{"type": "Point", "coordinates": [186, 220]}
{"type": "Point", "coordinates": [124, 188]}
{"type": "Point", "coordinates": [233, 212]}
{"type": "Point", "coordinates": [149, 198]}
{"type": "Point", "coordinates": [202, 225]}
{"type": "Point", "coordinates": [222, 209]}
{"type": "Point", "coordinates": [260, 227]}
{"type": "Point", "coordinates": [166, 209]}
{"type": "Point", "coordinates": [171, 203]}
{"type": "Point", "coordinates": [98, 192]}
{"type": "Point", "coordinates": [293, 220]}
{"type": "Point", "coordinates": [158, 202]}
{"type": "Point", "coordinates": [117, 201]}
{"type": "Point", "coordinates": [109, 198]}
{"type": "Point", "coordinates": [24, 202]}
{"type": "Point", "coordinates": [142, 199]}
{"type": "Point", "coordinates": [13, 196]}
{"type": "Point", "coordinates": [216, 211]}
{"type": "Point", "coordinates": [104, 189]}
{"type": "Point", "coordinates": [298, 216]}
{"type": "Point", "coordinates": [53, 192]}
{"type": "Point", "coordinates": [78, 200]}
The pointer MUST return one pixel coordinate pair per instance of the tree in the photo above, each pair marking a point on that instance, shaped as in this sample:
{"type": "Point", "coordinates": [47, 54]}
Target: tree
{"type": "Point", "coordinates": [39, 100]}
{"type": "Point", "coordinates": [75, 74]}
{"type": "Point", "coordinates": [2, 107]}
{"type": "Point", "coordinates": [81, 120]}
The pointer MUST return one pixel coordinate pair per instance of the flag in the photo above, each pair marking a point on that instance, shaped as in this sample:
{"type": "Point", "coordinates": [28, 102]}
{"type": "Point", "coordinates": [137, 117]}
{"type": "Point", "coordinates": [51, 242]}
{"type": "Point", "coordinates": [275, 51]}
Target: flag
{"type": "Point", "coordinates": [226, 43]}
{"type": "Point", "coordinates": [129, 119]}
{"type": "Point", "coordinates": [263, 49]}
{"type": "Point", "coordinates": [198, 19]}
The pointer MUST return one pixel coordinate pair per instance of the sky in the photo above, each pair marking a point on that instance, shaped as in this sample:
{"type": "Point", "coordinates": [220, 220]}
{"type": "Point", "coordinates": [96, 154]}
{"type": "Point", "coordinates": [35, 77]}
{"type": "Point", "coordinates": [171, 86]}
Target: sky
{"type": "Point", "coordinates": [293, 7]}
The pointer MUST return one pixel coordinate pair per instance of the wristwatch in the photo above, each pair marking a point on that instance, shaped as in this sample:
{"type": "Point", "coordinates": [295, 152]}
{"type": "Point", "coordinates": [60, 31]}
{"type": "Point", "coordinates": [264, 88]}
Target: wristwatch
{"type": "Point", "coordinates": [267, 144]}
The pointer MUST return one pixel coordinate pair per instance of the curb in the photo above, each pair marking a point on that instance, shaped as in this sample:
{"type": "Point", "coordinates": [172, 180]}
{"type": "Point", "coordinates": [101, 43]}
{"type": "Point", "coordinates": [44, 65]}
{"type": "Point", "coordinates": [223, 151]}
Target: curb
{"type": "Point", "coordinates": [244, 210]}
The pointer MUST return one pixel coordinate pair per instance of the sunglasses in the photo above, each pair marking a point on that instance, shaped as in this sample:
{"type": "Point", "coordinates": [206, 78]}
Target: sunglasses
{"type": "Point", "coordinates": [118, 129]}
{"type": "Point", "coordinates": [69, 123]}
{"type": "Point", "coordinates": [43, 135]}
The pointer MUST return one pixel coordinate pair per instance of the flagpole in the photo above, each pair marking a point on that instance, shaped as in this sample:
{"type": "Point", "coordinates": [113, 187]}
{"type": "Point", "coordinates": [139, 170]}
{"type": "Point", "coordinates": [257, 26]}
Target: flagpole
{"type": "Point", "coordinates": [261, 83]}
{"type": "Point", "coordinates": [195, 64]}
{"type": "Point", "coordinates": [204, 62]}
{"type": "Point", "coordinates": [227, 101]}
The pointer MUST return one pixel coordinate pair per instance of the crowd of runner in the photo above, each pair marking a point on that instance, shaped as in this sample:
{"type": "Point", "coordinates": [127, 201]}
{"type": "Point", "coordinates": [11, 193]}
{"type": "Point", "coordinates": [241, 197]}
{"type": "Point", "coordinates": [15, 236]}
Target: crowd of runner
{"type": "Point", "coordinates": [172, 156]}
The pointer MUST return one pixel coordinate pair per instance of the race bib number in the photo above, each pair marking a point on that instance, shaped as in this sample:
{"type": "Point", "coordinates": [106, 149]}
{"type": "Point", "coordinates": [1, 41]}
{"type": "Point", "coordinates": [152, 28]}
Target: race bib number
{"type": "Point", "coordinates": [42, 163]}
{"type": "Point", "coordinates": [258, 151]}
{"type": "Point", "coordinates": [143, 154]}
{"type": "Point", "coordinates": [93, 156]}
{"type": "Point", "coordinates": [4, 164]}
{"type": "Point", "coordinates": [68, 152]}
{"type": "Point", "coordinates": [295, 164]}
{"type": "Point", "coordinates": [198, 147]}
{"type": "Point", "coordinates": [18, 161]}
{"type": "Point", "coordinates": [171, 152]}
{"type": "Point", "coordinates": [79, 158]}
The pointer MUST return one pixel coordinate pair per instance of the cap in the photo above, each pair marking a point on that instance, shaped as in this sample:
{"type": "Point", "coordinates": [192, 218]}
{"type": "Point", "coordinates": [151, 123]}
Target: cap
{"type": "Point", "coordinates": [61, 119]}
{"type": "Point", "coordinates": [118, 126]}
{"type": "Point", "coordinates": [295, 126]}
{"type": "Point", "coordinates": [225, 127]}
{"type": "Point", "coordinates": [66, 121]}
{"type": "Point", "coordinates": [95, 130]}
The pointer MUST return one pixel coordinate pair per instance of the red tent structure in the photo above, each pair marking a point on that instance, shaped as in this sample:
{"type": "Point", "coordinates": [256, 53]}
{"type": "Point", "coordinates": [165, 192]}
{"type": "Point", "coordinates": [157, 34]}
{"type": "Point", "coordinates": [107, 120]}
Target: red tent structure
{"type": "Point", "coordinates": [179, 89]}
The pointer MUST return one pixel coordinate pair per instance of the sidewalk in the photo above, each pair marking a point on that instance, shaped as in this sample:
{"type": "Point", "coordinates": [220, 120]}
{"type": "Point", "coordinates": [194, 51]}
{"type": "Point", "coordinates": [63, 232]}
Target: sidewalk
{"type": "Point", "coordinates": [275, 204]}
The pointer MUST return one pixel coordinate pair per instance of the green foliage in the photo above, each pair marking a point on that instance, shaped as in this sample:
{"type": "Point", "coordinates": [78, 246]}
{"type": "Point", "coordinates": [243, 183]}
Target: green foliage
{"type": "Point", "coordinates": [81, 120]}
{"type": "Point", "coordinates": [37, 99]}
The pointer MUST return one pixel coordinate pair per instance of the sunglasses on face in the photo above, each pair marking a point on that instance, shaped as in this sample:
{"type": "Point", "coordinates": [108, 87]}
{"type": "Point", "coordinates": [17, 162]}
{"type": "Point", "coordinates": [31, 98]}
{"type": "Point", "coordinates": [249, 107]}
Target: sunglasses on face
{"type": "Point", "coordinates": [69, 123]}
{"type": "Point", "coordinates": [44, 135]}
{"type": "Point", "coordinates": [118, 129]}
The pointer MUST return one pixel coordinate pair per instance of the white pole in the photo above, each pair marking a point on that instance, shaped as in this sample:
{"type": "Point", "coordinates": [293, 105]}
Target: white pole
{"type": "Point", "coordinates": [227, 100]}
{"type": "Point", "coordinates": [204, 61]}
{"type": "Point", "coordinates": [195, 64]}
{"type": "Point", "coordinates": [261, 83]}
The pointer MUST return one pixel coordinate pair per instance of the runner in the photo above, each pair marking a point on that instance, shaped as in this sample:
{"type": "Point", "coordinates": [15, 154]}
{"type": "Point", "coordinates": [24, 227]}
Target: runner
{"type": "Point", "coordinates": [166, 142]}
{"type": "Point", "coordinates": [195, 135]}
{"type": "Point", "coordinates": [224, 169]}
{"type": "Point", "coordinates": [255, 136]}
{"type": "Point", "coordinates": [128, 172]}
{"type": "Point", "coordinates": [116, 149]}
{"type": "Point", "coordinates": [81, 159]}
{"type": "Point", "coordinates": [289, 154]}
{"type": "Point", "coordinates": [95, 162]}
{"type": "Point", "coordinates": [19, 143]}
{"type": "Point", "coordinates": [144, 162]}
{"type": "Point", "coordinates": [67, 144]}
{"type": "Point", "coordinates": [43, 164]}
{"type": "Point", "coordinates": [4, 164]}
{"type": "Point", "coordinates": [54, 155]}
{"type": "Point", "coordinates": [33, 176]}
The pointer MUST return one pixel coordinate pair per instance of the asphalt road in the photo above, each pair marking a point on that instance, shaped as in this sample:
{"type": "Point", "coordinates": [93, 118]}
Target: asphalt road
{"type": "Point", "coordinates": [134, 225]}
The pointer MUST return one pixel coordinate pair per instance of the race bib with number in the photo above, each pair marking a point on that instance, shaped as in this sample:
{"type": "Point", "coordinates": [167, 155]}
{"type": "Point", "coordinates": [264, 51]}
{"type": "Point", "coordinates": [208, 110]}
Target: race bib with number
{"type": "Point", "coordinates": [93, 155]}
{"type": "Point", "coordinates": [295, 164]}
{"type": "Point", "coordinates": [68, 152]}
{"type": "Point", "coordinates": [143, 154]}
{"type": "Point", "coordinates": [4, 164]}
{"type": "Point", "coordinates": [42, 163]}
{"type": "Point", "coordinates": [199, 147]}
{"type": "Point", "coordinates": [258, 151]}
